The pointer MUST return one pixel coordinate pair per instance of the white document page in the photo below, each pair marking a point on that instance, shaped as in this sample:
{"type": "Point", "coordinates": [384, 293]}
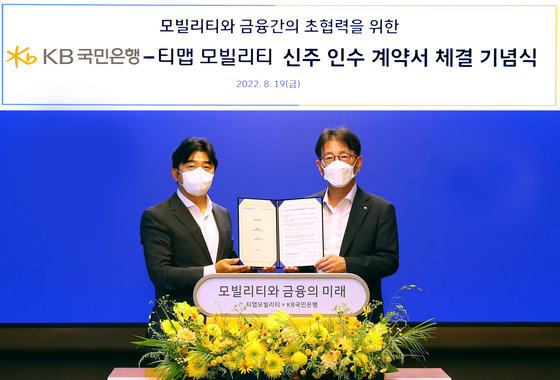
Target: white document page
{"type": "Point", "coordinates": [257, 232]}
{"type": "Point", "coordinates": [301, 232]}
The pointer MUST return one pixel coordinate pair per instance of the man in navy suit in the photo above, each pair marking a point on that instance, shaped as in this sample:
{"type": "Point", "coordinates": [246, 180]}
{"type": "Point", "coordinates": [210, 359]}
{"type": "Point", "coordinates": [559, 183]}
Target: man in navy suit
{"type": "Point", "coordinates": [188, 236]}
{"type": "Point", "coordinates": [360, 229]}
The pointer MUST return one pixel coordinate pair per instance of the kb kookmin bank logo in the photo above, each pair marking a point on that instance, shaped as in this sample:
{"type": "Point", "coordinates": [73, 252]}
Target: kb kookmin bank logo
{"type": "Point", "coordinates": [17, 57]}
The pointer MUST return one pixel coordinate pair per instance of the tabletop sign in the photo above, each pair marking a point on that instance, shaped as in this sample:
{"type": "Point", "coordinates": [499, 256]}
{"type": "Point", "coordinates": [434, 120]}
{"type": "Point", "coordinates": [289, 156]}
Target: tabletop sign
{"type": "Point", "coordinates": [299, 294]}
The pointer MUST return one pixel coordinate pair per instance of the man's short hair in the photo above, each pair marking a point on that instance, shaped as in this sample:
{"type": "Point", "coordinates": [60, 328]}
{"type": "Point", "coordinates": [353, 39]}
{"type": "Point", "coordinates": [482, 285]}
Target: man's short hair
{"type": "Point", "coordinates": [342, 134]}
{"type": "Point", "coordinates": [193, 144]}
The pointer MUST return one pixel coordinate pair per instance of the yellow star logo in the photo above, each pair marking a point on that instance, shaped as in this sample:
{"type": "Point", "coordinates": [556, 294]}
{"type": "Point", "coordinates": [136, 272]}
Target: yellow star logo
{"type": "Point", "coordinates": [16, 56]}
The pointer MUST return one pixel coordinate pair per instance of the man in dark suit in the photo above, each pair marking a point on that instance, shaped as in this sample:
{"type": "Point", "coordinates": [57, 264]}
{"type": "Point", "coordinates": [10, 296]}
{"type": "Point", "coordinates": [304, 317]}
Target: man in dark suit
{"type": "Point", "coordinates": [188, 236]}
{"type": "Point", "coordinates": [360, 229]}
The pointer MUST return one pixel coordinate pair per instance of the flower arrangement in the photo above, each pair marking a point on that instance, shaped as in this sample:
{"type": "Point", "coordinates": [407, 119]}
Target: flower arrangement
{"type": "Point", "coordinates": [281, 347]}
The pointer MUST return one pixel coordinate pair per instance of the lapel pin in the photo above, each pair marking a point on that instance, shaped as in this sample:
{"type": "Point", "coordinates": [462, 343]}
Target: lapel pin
{"type": "Point", "coordinates": [365, 208]}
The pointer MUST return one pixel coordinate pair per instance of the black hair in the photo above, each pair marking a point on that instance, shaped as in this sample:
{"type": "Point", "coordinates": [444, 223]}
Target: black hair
{"type": "Point", "coordinates": [342, 134]}
{"type": "Point", "coordinates": [193, 144]}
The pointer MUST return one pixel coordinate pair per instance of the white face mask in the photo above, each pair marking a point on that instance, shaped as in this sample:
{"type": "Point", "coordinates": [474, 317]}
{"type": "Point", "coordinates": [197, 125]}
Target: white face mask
{"type": "Point", "coordinates": [339, 174]}
{"type": "Point", "coordinates": [197, 182]}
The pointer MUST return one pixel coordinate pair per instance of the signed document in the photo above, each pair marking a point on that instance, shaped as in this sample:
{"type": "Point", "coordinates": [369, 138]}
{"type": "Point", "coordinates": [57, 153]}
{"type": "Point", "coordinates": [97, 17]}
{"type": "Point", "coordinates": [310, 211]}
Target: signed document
{"type": "Point", "coordinates": [282, 233]}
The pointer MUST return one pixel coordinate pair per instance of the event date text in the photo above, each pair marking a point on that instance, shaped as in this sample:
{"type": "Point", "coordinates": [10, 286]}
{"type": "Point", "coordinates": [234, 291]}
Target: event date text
{"type": "Point", "coordinates": [284, 83]}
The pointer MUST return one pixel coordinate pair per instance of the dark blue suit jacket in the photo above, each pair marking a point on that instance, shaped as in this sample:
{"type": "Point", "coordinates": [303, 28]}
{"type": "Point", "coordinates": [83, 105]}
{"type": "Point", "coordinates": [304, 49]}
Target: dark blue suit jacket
{"type": "Point", "coordinates": [175, 250]}
{"type": "Point", "coordinates": [370, 244]}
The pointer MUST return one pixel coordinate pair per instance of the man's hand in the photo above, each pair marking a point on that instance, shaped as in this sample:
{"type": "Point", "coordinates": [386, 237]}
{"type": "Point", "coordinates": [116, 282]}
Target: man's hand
{"type": "Point", "coordinates": [227, 266]}
{"type": "Point", "coordinates": [268, 269]}
{"type": "Point", "coordinates": [331, 264]}
{"type": "Point", "coordinates": [291, 269]}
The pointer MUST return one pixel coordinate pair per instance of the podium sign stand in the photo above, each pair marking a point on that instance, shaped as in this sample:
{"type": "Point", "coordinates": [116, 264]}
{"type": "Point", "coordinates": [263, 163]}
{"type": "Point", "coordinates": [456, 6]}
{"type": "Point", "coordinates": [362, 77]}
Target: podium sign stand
{"type": "Point", "coordinates": [298, 294]}
{"type": "Point", "coordinates": [403, 374]}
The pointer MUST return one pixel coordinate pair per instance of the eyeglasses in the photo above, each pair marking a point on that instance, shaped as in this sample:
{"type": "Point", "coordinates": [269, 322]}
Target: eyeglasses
{"type": "Point", "coordinates": [328, 159]}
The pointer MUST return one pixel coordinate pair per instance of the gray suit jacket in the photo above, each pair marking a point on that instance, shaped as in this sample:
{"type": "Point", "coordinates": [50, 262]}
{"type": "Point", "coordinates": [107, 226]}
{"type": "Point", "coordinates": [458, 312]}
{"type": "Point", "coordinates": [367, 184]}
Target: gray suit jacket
{"type": "Point", "coordinates": [175, 250]}
{"type": "Point", "coordinates": [370, 244]}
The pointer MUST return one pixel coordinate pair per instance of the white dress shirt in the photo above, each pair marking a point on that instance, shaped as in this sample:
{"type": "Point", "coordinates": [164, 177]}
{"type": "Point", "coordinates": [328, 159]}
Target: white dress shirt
{"type": "Point", "coordinates": [207, 225]}
{"type": "Point", "coordinates": [335, 220]}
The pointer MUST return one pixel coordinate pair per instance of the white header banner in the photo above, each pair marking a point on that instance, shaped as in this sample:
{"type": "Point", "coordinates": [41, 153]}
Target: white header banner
{"type": "Point", "coordinates": [278, 56]}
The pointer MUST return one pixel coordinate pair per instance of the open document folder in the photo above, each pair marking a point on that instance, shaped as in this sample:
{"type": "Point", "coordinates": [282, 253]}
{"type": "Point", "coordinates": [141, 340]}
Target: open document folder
{"type": "Point", "coordinates": [282, 233]}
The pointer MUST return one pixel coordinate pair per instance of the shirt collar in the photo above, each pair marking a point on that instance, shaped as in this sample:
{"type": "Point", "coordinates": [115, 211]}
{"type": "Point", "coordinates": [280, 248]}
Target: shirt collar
{"type": "Point", "coordinates": [190, 205]}
{"type": "Point", "coordinates": [350, 196]}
